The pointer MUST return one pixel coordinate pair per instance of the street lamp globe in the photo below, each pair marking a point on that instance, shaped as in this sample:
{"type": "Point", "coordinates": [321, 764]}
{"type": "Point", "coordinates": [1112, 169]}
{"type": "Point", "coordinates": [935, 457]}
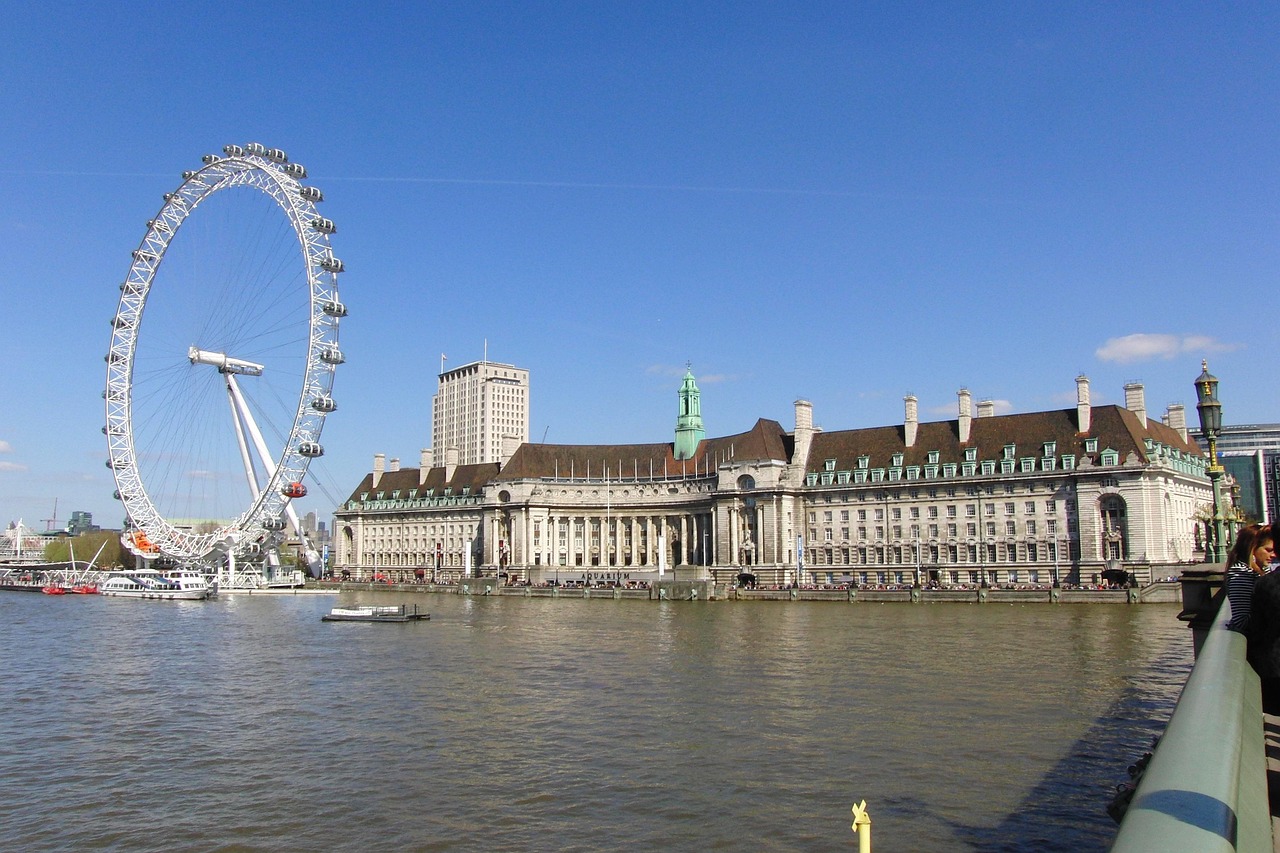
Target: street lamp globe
{"type": "Point", "coordinates": [1207, 404]}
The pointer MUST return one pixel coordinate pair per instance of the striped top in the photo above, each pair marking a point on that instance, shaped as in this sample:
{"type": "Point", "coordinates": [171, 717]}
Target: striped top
{"type": "Point", "coordinates": [1240, 583]}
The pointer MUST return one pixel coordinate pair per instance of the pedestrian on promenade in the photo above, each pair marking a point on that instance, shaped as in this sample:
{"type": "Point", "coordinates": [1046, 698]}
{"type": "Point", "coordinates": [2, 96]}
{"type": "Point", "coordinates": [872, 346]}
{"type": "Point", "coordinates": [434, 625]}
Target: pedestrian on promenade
{"type": "Point", "coordinates": [1249, 558]}
{"type": "Point", "coordinates": [1264, 639]}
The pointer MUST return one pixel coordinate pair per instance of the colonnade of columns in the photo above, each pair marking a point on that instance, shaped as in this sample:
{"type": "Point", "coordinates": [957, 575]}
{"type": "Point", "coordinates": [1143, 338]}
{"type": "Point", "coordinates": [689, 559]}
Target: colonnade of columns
{"type": "Point", "coordinates": [604, 540]}
{"type": "Point", "coordinates": [745, 545]}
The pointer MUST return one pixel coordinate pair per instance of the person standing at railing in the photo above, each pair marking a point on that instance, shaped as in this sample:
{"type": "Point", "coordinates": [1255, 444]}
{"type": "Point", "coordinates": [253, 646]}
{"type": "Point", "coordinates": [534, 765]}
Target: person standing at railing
{"type": "Point", "coordinates": [1264, 636]}
{"type": "Point", "coordinates": [1248, 560]}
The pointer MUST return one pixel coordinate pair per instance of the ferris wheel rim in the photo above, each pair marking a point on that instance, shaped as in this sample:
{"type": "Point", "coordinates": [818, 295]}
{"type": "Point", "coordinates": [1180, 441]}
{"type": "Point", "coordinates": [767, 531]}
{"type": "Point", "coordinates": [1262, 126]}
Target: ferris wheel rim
{"type": "Point", "coordinates": [266, 171]}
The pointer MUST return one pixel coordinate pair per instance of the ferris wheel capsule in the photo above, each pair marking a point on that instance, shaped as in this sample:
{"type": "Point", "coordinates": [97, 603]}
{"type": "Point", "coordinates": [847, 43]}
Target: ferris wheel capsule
{"type": "Point", "coordinates": [324, 404]}
{"type": "Point", "coordinates": [294, 490]}
{"type": "Point", "coordinates": [311, 449]}
{"type": "Point", "coordinates": [273, 524]}
{"type": "Point", "coordinates": [332, 355]}
{"type": "Point", "coordinates": [209, 159]}
{"type": "Point", "coordinates": [233, 150]}
{"type": "Point", "coordinates": [311, 193]}
{"type": "Point", "coordinates": [256, 148]}
{"type": "Point", "coordinates": [296, 170]}
{"type": "Point", "coordinates": [332, 264]}
{"type": "Point", "coordinates": [275, 155]}
{"type": "Point", "coordinates": [334, 308]}
{"type": "Point", "coordinates": [324, 226]}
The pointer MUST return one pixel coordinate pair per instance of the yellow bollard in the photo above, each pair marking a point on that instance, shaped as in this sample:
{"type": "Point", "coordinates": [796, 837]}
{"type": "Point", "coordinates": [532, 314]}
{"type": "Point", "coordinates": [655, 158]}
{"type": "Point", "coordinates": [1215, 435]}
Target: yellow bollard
{"type": "Point", "coordinates": [862, 826]}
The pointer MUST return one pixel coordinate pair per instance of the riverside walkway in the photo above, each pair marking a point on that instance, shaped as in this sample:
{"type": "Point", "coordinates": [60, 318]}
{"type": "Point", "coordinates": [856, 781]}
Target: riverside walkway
{"type": "Point", "coordinates": [1162, 592]}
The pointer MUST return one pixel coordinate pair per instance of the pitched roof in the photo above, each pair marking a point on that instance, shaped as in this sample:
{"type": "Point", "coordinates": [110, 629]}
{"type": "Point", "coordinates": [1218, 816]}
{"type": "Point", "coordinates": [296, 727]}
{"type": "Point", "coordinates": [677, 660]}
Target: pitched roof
{"type": "Point", "coordinates": [1114, 427]}
{"type": "Point", "coordinates": [473, 477]}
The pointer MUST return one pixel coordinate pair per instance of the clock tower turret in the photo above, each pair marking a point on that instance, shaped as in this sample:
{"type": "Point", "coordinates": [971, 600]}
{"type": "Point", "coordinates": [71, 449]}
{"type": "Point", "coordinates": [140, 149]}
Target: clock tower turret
{"type": "Point", "coordinates": [689, 431]}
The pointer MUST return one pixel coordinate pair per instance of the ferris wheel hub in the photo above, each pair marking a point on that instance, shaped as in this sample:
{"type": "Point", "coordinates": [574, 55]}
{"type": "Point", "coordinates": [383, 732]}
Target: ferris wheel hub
{"type": "Point", "coordinates": [224, 362]}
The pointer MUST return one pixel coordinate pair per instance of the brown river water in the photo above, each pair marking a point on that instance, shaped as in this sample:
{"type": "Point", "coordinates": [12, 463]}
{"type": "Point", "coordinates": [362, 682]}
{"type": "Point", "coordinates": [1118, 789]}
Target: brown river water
{"type": "Point", "coordinates": [245, 723]}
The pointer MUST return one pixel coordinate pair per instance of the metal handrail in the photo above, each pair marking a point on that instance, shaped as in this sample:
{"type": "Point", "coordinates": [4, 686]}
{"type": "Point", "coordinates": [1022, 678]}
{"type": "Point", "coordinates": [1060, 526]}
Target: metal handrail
{"type": "Point", "coordinates": [1205, 788]}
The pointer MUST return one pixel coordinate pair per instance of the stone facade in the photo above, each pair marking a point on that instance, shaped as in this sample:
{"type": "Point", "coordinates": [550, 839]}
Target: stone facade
{"type": "Point", "coordinates": [1030, 498]}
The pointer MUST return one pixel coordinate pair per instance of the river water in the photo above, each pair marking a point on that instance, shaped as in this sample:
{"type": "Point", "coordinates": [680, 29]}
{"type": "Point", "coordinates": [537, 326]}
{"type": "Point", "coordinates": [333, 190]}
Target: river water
{"type": "Point", "coordinates": [245, 723]}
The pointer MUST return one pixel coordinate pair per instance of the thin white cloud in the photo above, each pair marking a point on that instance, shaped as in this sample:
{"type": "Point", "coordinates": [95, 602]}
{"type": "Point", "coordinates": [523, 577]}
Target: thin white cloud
{"type": "Point", "coordinates": [665, 370]}
{"type": "Point", "coordinates": [680, 370]}
{"type": "Point", "coordinates": [5, 447]}
{"type": "Point", "coordinates": [12, 466]}
{"type": "Point", "coordinates": [1143, 347]}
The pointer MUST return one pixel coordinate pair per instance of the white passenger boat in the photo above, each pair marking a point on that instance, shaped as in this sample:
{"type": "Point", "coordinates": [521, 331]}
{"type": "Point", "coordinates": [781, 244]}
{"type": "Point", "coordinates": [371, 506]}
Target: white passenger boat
{"type": "Point", "coordinates": [174, 585]}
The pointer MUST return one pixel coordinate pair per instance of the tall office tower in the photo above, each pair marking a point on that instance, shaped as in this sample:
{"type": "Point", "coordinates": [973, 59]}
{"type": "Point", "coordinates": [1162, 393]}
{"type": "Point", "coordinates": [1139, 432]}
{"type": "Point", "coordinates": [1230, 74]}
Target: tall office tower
{"type": "Point", "coordinates": [476, 407]}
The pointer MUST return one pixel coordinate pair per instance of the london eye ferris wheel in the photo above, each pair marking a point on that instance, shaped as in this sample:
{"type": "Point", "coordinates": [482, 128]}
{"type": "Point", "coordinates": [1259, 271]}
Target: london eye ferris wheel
{"type": "Point", "coordinates": [223, 352]}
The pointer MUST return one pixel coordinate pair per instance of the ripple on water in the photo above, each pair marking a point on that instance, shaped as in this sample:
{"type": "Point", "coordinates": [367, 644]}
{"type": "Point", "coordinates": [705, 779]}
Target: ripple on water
{"type": "Point", "coordinates": [528, 724]}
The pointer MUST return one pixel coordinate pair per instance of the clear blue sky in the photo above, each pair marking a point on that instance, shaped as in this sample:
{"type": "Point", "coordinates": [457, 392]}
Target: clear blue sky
{"type": "Point", "coordinates": [846, 202]}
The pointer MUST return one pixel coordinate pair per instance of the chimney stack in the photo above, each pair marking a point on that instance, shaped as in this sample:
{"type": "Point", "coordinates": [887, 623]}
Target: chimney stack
{"type": "Point", "coordinates": [986, 408]}
{"type": "Point", "coordinates": [1135, 400]}
{"type": "Point", "coordinates": [1176, 417]}
{"type": "Point", "coordinates": [912, 422]}
{"type": "Point", "coordinates": [424, 466]}
{"type": "Point", "coordinates": [1082, 404]}
{"type": "Point", "coordinates": [395, 464]}
{"type": "Point", "coordinates": [803, 436]}
{"type": "Point", "coordinates": [379, 464]}
{"type": "Point", "coordinates": [510, 444]}
{"type": "Point", "coordinates": [451, 455]}
{"type": "Point", "coordinates": [966, 414]}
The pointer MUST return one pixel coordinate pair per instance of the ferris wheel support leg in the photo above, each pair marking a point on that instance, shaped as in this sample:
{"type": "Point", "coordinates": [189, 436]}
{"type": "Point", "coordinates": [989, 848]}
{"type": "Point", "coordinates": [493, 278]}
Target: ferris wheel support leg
{"type": "Point", "coordinates": [250, 474]}
{"type": "Point", "coordinates": [260, 445]}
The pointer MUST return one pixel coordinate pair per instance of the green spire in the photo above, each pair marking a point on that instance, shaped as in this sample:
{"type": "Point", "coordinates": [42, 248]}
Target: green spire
{"type": "Point", "coordinates": [689, 431]}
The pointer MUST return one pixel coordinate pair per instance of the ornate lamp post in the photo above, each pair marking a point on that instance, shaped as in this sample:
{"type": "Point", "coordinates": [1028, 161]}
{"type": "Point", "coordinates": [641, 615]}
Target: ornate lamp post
{"type": "Point", "coordinates": [1210, 411]}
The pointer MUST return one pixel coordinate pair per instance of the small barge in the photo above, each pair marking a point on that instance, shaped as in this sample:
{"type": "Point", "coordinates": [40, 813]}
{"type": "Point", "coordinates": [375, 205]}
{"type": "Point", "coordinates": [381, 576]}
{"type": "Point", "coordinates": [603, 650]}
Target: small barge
{"type": "Point", "coordinates": [372, 613]}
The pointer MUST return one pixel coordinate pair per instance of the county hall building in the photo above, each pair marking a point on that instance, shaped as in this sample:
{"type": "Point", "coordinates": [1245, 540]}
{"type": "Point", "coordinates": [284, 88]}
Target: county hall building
{"type": "Point", "coordinates": [1062, 495]}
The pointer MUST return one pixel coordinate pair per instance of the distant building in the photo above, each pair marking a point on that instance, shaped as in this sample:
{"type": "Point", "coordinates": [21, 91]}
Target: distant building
{"type": "Point", "coordinates": [81, 522]}
{"type": "Point", "coordinates": [1027, 498]}
{"type": "Point", "coordinates": [476, 408]}
{"type": "Point", "coordinates": [1251, 455]}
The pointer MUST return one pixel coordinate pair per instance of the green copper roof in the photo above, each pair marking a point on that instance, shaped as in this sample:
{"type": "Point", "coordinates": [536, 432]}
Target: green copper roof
{"type": "Point", "coordinates": [689, 430]}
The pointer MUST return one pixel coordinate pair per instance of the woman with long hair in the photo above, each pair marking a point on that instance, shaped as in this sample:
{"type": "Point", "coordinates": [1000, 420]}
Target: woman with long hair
{"type": "Point", "coordinates": [1249, 558]}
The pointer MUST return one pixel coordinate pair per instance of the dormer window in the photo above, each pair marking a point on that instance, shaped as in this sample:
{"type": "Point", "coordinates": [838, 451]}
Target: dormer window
{"type": "Point", "coordinates": [864, 462]}
{"type": "Point", "coordinates": [1110, 457]}
{"type": "Point", "coordinates": [1091, 445]}
{"type": "Point", "coordinates": [1010, 450]}
{"type": "Point", "coordinates": [1050, 448]}
{"type": "Point", "coordinates": [897, 460]}
{"type": "Point", "coordinates": [971, 454]}
{"type": "Point", "coordinates": [829, 465]}
{"type": "Point", "coordinates": [933, 457]}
